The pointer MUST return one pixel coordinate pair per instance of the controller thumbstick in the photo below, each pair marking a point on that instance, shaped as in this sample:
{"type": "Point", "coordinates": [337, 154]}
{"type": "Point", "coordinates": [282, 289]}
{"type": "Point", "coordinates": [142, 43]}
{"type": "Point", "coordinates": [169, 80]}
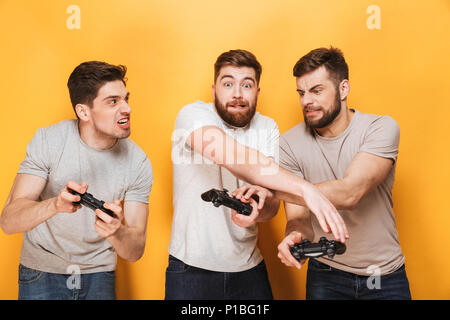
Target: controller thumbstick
{"type": "Point", "coordinates": [305, 241]}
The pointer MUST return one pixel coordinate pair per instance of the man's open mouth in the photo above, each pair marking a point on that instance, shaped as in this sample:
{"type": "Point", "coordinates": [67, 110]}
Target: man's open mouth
{"type": "Point", "coordinates": [124, 122]}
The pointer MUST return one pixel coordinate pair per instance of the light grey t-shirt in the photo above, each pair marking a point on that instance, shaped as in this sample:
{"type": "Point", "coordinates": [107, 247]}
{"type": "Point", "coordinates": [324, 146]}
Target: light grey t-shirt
{"type": "Point", "coordinates": [202, 235]}
{"type": "Point", "coordinates": [68, 241]}
{"type": "Point", "coordinates": [373, 246]}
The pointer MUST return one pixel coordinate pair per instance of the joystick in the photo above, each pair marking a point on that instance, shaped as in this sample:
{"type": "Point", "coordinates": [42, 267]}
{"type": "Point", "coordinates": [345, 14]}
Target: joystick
{"type": "Point", "coordinates": [90, 201]}
{"type": "Point", "coordinates": [306, 249]}
{"type": "Point", "coordinates": [218, 197]}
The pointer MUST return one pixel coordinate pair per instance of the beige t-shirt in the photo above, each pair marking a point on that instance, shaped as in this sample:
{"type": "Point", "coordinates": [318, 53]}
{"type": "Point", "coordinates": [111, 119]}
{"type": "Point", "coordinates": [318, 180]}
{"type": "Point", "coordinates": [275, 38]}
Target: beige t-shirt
{"type": "Point", "coordinates": [373, 245]}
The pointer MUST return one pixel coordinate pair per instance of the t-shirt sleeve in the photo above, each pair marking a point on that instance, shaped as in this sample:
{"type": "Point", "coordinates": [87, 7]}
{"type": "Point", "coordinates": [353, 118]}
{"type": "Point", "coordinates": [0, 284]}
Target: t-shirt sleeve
{"type": "Point", "coordinates": [140, 189]}
{"type": "Point", "coordinates": [191, 118]}
{"type": "Point", "coordinates": [36, 161]}
{"type": "Point", "coordinates": [382, 138]}
{"type": "Point", "coordinates": [288, 160]}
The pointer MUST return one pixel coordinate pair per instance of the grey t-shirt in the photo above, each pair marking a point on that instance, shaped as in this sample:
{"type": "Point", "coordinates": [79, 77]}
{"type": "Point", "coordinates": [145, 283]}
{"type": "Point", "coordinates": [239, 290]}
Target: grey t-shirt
{"type": "Point", "coordinates": [202, 235]}
{"type": "Point", "coordinates": [373, 239]}
{"type": "Point", "coordinates": [68, 241]}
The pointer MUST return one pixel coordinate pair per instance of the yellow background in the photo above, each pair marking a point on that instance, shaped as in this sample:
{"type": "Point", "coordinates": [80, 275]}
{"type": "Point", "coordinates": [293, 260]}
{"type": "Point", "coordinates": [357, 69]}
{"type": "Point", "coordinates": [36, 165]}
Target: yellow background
{"type": "Point", "coordinates": [170, 47]}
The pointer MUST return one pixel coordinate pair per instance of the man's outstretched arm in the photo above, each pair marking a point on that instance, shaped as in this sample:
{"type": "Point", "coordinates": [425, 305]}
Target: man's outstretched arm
{"type": "Point", "coordinates": [252, 166]}
{"type": "Point", "coordinates": [365, 172]}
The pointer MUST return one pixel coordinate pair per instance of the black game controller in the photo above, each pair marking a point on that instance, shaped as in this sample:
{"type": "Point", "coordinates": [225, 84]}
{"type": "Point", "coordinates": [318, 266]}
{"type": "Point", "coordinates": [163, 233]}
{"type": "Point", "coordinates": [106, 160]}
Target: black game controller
{"type": "Point", "coordinates": [306, 249]}
{"type": "Point", "coordinates": [90, 201]}
{"type": "Point", "coordinates": [218, 198]}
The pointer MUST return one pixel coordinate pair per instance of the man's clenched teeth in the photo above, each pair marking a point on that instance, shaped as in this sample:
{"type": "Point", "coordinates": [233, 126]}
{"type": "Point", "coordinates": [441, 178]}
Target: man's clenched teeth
{"type": "Point", "coordinates": [124, 123]}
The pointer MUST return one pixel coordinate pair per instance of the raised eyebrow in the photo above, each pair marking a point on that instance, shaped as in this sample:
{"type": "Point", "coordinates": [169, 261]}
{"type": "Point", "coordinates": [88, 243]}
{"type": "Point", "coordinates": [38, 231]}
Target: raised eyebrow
{"type": "Point", "coordinates": [251, 79]}
{"type": "Point", "coordinates": [226, 76]}
{"type": "Point", "coordinates": [230, 76]}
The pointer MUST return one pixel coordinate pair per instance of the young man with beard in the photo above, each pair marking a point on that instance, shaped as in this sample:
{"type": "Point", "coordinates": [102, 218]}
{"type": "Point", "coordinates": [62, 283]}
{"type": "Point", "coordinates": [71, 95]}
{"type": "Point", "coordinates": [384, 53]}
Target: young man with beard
{"type": "Point", "coordinates": [69, 251]}
{"type": "Point", "coordinates": [213, 251]}
{"type": "Point", "coordinates": [351, 158]}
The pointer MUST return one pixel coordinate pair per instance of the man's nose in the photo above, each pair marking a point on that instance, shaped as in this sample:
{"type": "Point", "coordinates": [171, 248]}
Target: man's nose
{"type": "Point", "coordinates": [237, 92]}
{"type": "Point", "coordinates": [306, 99]}
{"type": "Point", "coordinates": [125, 108]}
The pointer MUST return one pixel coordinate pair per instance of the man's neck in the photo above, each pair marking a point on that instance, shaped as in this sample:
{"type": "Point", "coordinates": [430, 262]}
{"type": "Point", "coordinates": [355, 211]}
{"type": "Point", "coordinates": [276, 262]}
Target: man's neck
{"type": "Point", "coordinates": [338, 125]}
{"type": "Point", "coordinates": [91, 137]}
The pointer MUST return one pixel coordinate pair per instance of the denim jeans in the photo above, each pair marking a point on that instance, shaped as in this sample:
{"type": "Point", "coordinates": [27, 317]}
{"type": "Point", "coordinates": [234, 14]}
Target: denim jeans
{"type": "Point", "coordinates": [186, 282]}
{"type": "Point", "coordinates": [39, 285]}
{"type": "Point", "coordinates": [326, 283]}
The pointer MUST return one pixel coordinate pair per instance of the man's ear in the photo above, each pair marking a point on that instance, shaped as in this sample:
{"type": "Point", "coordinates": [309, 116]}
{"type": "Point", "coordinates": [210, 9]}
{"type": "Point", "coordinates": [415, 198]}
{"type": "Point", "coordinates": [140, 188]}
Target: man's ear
{"type": "Point", "coordinates": [344, 89]}
{"type": "Point", "coordinates": [83, 111]}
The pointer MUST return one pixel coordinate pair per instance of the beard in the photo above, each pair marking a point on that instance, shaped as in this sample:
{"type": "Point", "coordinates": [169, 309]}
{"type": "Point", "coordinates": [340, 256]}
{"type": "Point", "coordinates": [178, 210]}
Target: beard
{"type": "Point", "coordinates": [327, 118]}
{"type": "Point", "coordinates": [240, 119]}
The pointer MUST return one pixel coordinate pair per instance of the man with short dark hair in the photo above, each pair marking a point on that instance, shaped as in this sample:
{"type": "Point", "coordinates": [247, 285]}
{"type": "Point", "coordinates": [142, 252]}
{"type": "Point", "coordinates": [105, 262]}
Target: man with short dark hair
{"type": "Point", "coordinates": [69, 251]}
{"type": "Point", "coordinates": [350, 156]}
{"type": "Point", "coordinates": [213, 251]}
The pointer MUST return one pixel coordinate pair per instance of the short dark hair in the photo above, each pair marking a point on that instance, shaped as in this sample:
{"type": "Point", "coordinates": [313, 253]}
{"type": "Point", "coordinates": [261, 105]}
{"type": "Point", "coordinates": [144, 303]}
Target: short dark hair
{"type": "Point", "coordinates": [238, 58]}
{"type": "Point", "coordinates": [86, 79]}
{"type": "Point", "coordinates": [332, 59]}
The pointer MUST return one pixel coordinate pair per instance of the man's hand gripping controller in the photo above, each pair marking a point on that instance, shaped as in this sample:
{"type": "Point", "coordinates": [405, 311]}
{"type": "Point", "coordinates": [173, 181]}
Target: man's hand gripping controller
{"type": "Point", "coordinates": [306, 249]}
{"type": "Point", "coordinates": [90, 201]}
{"type": "Point", "coordinates": [218, 197]}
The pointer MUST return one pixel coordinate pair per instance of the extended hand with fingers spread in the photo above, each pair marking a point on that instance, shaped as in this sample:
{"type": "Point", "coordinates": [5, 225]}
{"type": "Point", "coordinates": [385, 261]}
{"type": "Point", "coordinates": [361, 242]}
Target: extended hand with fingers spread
{"type": "Point", "coordinates": [329, 218]}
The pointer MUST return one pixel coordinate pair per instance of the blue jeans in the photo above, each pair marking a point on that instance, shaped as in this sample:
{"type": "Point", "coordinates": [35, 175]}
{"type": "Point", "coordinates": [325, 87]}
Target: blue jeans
{"type": "Point", "coordinates": [39, 285]}
{"type": "Point", "coordinates": [326, 283]}
{"type": "Point", "coordinates": [186, 282]}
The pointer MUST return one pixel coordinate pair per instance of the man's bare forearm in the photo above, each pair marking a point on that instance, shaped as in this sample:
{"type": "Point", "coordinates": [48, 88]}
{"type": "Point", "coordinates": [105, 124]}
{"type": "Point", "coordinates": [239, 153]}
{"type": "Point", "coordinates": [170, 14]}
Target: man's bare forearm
{"type": "Point", "coordinates": [300, 225]}
{"type": "Point", "coordinates": [21, 214]}
{"type": "Point", "coordinates": [246, 163]}
{"type": "Point", "coordinates": [270, 209]}
{"type": "Point", "coordinates": [289, 197]}
{"type": "Point", "coordinates": [129, 243]}
{"type": "Point", "coordinates": [336, 191]}
{"type": "Point", "coordinates": [273, 177]}
{"type": "Point", "coordinates": [339, 193]}
{"type": "Point", "coordinates": [365, 173]}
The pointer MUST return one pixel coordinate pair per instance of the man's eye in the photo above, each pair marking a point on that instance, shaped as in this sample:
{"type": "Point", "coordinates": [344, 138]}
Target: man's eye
{"type": "Point", "coordinates": [247, 85]}
{"type": "Point", "coordinates": [227, 84]}
{"type": "Point", "coordinates": [301, 94]}
{"type": "Point", "coordinates": [316, 91]}
{"type": "Point", "coordinates": [113, 101]}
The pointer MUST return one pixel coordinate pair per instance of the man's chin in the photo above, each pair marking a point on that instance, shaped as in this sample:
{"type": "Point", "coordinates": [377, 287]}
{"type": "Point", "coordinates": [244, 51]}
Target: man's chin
{"type": "Point", "coordinates": [239, 121]}
{"type": "Point", "coordinates": [123, 135]}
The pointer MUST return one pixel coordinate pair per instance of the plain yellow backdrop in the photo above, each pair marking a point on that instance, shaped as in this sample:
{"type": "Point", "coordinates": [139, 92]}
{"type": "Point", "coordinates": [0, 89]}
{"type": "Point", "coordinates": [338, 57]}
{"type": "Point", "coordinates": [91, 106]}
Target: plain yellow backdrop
{"type": "Point", "coordinates": [170, 46]}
